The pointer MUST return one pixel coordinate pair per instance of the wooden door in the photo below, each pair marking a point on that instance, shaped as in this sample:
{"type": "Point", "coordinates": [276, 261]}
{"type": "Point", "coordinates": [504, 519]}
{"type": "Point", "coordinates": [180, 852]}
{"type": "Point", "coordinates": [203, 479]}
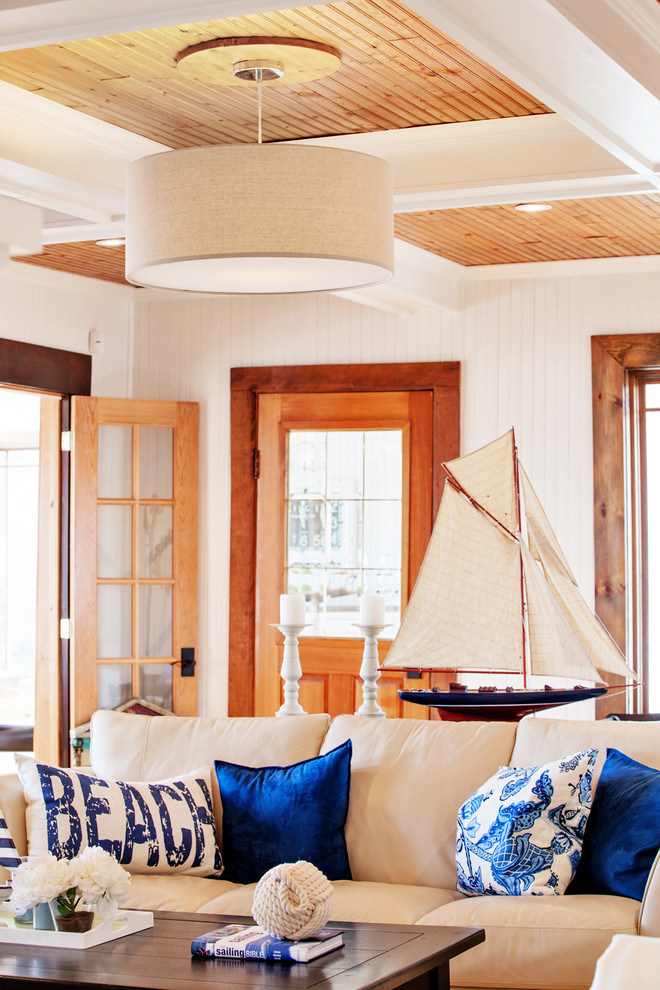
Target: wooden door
{"type": "Point", "coordinates": [331, 662]}
{"type": "Point", "coordinates": [134, 555]}
{"type": "Point", "coordinates": [440, 379]}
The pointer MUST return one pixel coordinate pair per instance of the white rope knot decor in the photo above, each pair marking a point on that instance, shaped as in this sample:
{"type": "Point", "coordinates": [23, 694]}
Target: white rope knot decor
{"type": "Point", "coordinates": [293, 900]}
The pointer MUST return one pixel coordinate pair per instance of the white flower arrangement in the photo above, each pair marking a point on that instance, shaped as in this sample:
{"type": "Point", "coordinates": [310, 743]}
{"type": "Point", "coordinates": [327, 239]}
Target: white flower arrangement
{"type": "Point", "coordinates": [93, 878]}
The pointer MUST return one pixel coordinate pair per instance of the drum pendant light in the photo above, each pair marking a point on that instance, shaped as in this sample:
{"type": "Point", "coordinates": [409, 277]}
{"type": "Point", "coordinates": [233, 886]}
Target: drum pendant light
{"type": "Point", "coordinates": [259, 218]}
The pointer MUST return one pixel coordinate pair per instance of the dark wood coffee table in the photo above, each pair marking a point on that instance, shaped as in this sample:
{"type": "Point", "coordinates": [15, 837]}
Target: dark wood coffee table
{"type": "Point", "coordinates": [378, 957]}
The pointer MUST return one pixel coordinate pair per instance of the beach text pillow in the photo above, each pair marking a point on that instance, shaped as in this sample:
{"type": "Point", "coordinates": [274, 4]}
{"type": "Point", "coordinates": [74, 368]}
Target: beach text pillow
{"type": "Point", "coordinates": [163, 827]}
{"type": "Point", "coordinates": [522, 831]}
{"type": "Point", "coordinates": [274, 815]}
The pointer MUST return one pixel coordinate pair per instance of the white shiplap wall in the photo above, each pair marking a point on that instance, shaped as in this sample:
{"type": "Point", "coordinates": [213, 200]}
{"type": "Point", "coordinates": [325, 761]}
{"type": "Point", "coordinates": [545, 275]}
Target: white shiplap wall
{"type": "Point", "coordinates": [524, 348]}
{"type": "Point", "coordinates": [523, 342]}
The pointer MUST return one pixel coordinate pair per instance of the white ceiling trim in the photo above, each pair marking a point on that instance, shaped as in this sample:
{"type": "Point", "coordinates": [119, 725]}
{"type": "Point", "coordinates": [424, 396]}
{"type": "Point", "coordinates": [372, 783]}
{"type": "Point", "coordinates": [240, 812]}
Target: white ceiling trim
{"type": "Point", "coordinates": [541, 50]}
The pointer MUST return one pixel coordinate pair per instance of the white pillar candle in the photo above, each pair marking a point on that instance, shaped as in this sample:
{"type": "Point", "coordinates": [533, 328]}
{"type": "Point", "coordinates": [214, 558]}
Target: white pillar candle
{"type": "Point", "coordinates": [292, 610]}
{"type": "Point", "coordinates": [372, 610]}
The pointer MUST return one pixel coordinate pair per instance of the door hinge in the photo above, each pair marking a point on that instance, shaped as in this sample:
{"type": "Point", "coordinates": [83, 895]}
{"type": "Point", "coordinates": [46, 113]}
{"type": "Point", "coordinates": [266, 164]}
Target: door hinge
{"type": "Point", "coordinates": [256, 458]}
{"type": "Point", "coordinates": [65, 628]}
{"type": "Point", "coordinates": [65, 442]}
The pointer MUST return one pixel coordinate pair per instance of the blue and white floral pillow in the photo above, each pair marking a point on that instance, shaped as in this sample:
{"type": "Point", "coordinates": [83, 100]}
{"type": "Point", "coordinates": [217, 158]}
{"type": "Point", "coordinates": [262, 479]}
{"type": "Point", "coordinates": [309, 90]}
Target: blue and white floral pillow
{"type": "Point", "coordinates": [522, 831]}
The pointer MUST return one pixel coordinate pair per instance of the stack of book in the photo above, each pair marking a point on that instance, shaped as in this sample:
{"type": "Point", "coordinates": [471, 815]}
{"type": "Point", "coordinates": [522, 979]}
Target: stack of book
{"type": "Point", "coordinates": [252, 942]}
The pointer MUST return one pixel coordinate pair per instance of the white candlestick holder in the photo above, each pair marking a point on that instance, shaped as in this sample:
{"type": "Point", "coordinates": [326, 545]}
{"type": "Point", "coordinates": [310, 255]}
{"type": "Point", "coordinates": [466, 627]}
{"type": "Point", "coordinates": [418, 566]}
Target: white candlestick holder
{"type": "Point", "coordinates": [291, 671]}
{"type": "Point", "coordinates": [370, 673]}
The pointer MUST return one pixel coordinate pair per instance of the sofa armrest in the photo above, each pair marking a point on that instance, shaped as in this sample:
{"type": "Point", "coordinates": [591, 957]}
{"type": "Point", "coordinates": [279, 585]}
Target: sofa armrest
{"type": "Point", "coordinates": [12, 804]}
{"type": "Point", "coordinates": [649, 914]}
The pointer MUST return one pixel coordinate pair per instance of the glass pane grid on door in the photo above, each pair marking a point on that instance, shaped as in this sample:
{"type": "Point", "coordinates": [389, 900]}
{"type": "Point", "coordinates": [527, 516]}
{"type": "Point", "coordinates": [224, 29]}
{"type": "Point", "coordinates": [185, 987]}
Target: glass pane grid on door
{"type": "Point", "coordinates": [135, 576]}
{"type": "Point", "coordinates": [344, 525]}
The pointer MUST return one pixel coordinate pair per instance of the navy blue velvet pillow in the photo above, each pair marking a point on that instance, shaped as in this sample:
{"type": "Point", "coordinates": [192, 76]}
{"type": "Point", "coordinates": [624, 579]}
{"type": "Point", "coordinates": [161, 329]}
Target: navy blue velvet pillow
{"type": "Point", "coordinates": [273, 815]}
{"type": "Point", "coordinates": [622, 836]}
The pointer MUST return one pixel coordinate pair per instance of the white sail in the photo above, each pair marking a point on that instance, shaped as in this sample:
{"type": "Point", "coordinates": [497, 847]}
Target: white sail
{"type": "Point", "coordinates": [468, 611]}
{"type": "Point", "coordinates": [536, 519]}
{"type": "Point", "coordinates": [596, 642]}
{"type": "Point", "coordinates": [465, 610]}
{"type": "Point", "coordinates": [488, 476]}
{"type": "Point", "coordinates": [555, 648]}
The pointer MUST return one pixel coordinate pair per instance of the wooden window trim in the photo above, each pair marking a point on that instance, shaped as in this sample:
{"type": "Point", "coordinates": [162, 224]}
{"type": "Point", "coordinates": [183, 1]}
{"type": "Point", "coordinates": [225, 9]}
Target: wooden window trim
{"type": "Point", "coordinates": [612, 355]}
{"type": "Point", "coordinates": [65, 373]}
{"type": "Point", "coordinates": [440, 378]}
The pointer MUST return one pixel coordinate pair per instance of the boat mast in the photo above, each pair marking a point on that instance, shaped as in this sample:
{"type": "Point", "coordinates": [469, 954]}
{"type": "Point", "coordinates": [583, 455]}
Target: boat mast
{"type": "Point", "coordinates": [519, 537]}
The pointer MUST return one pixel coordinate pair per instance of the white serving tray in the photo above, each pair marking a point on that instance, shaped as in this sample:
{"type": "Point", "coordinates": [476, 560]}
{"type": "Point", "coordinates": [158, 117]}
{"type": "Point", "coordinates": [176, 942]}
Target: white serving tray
{"type": "Point", "coordinates": [123, 923]}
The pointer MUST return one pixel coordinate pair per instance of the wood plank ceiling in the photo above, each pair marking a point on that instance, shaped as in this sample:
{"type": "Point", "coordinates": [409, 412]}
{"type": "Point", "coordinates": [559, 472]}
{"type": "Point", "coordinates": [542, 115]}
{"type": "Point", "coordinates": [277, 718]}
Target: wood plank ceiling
{"type": "Point", "coordinates": [397, 71]}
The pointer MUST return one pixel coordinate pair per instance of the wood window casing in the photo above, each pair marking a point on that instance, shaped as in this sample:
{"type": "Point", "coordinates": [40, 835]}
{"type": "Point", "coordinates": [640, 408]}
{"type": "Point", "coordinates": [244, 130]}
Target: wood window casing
{"type": "Point", "coordinates": [441, 379]}
{"type": "Point", "coordinates": [616, 554]}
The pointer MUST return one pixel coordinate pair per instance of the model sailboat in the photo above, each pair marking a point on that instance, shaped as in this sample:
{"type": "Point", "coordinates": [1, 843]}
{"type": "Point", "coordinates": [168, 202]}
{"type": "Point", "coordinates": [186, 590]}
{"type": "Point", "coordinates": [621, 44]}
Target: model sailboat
{"type": "Point", "coordinates": [496, 594]}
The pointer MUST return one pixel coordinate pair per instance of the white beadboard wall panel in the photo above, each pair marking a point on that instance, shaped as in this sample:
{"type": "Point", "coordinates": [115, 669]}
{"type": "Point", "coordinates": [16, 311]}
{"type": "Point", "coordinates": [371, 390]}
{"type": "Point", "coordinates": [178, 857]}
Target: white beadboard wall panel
{"type": "Point", "coordinates": [54, 310]}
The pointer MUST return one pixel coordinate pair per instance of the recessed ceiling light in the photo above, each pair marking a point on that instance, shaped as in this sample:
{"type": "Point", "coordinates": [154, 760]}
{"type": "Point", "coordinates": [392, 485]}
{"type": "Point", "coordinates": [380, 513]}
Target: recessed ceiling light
{"type": "Point", "coordinates": [532, 207]}
{"type": "Point", "coordinates": [111, 242]}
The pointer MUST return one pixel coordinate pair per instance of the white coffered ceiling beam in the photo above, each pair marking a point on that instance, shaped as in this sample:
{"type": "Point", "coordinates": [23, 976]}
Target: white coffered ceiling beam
{"type": "Point", "coordinates": [628, 31]}
{"type": "Point", "coordinates": [534, 44]}
{"type": "Point", "coordinates": [486, 162]}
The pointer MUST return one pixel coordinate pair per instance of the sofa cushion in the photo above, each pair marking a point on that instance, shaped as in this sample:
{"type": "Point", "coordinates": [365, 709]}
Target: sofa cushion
{"type": "Point", "coordinates": [521, 832]}
{"type": "Point", "coordinates": [623, 832]}
{"type": "Point", "coordinates": [163, 827]}
{"type": "Point", "coordinates": [409, 777]}
{"type": "Point", "coordinates": [137, 747]}
{"type": "Point", "coordinates": [539, 740]}
{"type": "Point", "coordinates": [540, 942]}
{"type": "Point", "coordinates": [377, 903]}
{"type": "Point", "coordinates": [177, 893]}
{"type": "Point", "coordinates": [273, 815]}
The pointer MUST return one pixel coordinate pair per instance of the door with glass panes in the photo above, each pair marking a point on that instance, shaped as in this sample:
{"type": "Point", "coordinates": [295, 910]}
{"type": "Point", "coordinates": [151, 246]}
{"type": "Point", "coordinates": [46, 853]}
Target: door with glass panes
{"type": "Point", "coordinates": [134, 555]}
{"type": "Point", "coordinates": [344, 508]}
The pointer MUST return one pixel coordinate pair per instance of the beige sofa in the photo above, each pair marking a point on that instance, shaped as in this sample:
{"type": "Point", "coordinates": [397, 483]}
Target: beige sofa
{"type": "Point", "coordinates": [408, 779]}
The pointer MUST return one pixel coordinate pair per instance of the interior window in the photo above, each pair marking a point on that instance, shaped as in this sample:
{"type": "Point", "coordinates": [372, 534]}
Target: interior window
{"type": "Point", "coordinates": [344, 508]}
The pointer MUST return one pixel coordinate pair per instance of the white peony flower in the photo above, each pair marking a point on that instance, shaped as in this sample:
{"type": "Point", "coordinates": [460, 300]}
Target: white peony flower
{"type": "Point", "coordinates": [101, 878]}
{"type": "Point", "coordinates": [94, 878]}
{"type": "Point", "coordinates": [40, 879]}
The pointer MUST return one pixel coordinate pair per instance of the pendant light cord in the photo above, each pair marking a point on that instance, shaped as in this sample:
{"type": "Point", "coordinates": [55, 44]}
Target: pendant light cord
{"type": "Point", "coordinates": [259, 80]}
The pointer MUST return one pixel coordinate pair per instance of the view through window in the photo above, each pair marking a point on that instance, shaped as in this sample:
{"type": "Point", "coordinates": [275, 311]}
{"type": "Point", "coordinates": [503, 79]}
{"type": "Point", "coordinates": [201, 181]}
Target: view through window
{"type": "Point", "coordinates": [344, 519]}
{"type": "Point", "coordinates": [19, 497]}
{"type": "Point", "coordinates": [650, 455]}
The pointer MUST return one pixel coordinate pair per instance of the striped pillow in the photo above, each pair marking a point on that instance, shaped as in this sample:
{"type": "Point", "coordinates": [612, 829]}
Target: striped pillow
{"type": "Point", "coordinates": [9, 857]}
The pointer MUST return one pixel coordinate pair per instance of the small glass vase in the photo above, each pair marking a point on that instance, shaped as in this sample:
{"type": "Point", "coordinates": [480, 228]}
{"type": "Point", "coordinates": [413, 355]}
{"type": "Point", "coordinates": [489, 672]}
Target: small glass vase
{"type": "Point", "coordinates": [79, 921]}
{"type": "Point", "coordinates": [42, 917]}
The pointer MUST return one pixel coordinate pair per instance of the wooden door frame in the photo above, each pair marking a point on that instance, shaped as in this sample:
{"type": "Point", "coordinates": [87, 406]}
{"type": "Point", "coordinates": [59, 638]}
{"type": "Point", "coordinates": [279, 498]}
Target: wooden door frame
{"type": "Point", "coordinates": [65, 373]}
{"type": "Point", "coordinates": [612, 355]}
{"type": "Point", "coordinates": [442, 378]}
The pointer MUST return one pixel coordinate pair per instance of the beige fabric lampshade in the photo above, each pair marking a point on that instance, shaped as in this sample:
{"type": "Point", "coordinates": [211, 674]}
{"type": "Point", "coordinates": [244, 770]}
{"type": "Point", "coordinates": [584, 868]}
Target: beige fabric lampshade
{"type": "Point", "coordinates": [259, 219]}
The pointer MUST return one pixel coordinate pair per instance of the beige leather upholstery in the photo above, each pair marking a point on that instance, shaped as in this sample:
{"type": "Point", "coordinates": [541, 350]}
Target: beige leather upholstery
{"type": "Point", "coordinates": [629, 962]}
{"type": "Point", "coordinates": [354, 901]}
{"type": "Point", "coordinates": [408, 780]}
{"type": "Point", "coordinates": [539, 942]}
{"type": "Point", "coordinates": [539, 740]}
{"type": "Point", "coordinates": [136, 747]}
